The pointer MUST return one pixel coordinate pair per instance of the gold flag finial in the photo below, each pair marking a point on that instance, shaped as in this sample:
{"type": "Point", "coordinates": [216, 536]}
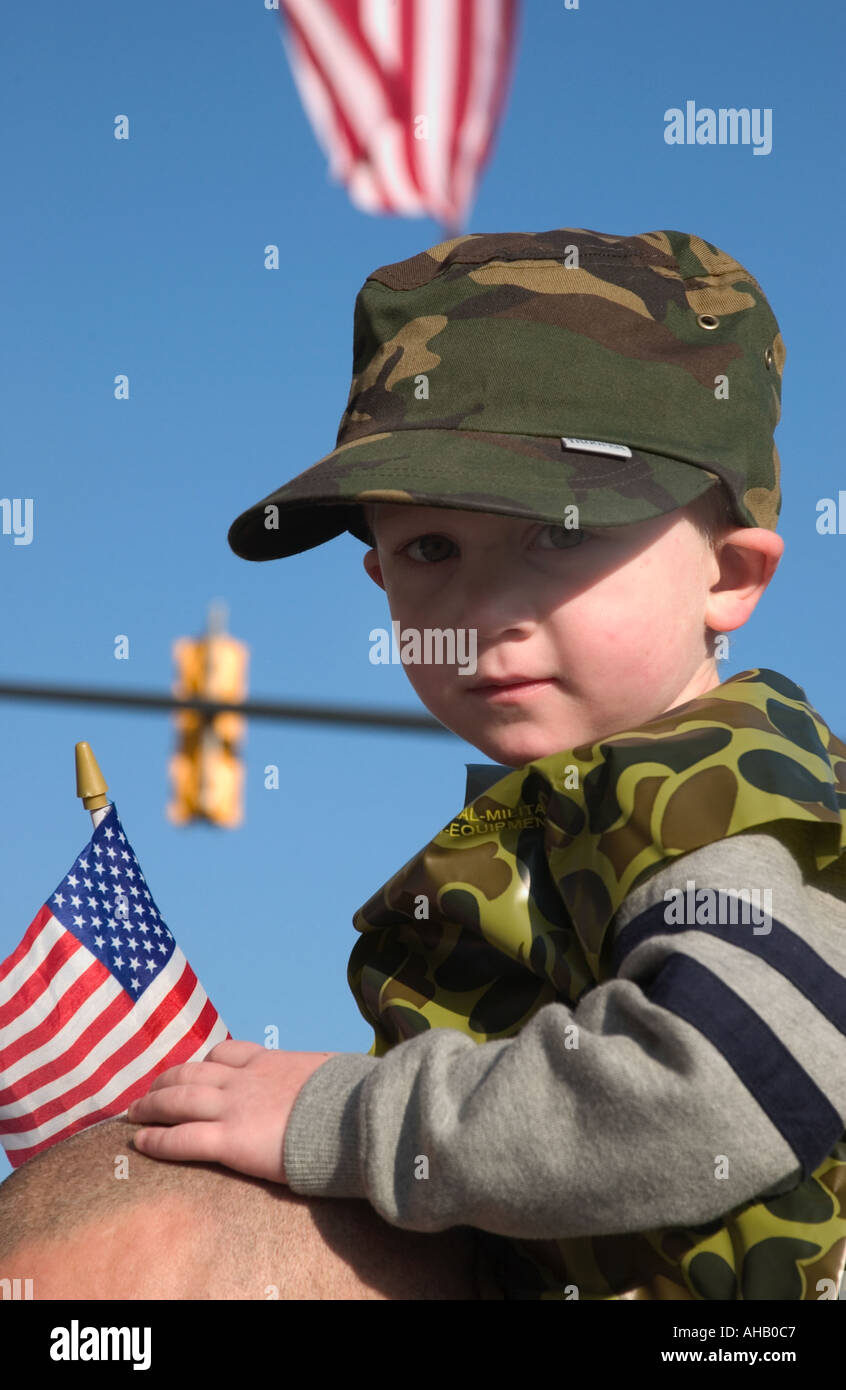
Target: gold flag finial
{"type": "Point", "coordinates": [91, 785]}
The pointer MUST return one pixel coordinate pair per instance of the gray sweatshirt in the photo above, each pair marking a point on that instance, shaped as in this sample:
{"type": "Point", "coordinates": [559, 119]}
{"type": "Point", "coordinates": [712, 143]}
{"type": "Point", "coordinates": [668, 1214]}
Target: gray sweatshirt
{"type": "Point", "coordinates": [708, 1041]}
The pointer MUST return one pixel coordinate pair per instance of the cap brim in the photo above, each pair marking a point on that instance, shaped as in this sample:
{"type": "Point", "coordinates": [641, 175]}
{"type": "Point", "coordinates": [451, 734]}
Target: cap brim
{"type": "Point", "coordinates": [524, 476]}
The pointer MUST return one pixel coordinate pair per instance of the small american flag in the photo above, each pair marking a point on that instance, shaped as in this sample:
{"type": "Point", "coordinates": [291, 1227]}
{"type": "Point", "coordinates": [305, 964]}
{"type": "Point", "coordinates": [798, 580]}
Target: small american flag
{"type": "Point", "coordinates": [96, 1001]}
{"type": "Point", "coordinates": [405, 96]}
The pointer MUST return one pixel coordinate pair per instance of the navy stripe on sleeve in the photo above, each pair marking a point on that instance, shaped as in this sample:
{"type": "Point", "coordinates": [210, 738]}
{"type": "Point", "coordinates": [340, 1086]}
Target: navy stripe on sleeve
{"type": "Point", "coordinates": [790, 1097]}
{"type": "Point", "coordinates": [780, 948]}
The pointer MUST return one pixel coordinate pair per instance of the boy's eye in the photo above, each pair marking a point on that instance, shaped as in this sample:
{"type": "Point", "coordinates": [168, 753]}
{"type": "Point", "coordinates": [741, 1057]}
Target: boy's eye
{"type": "Point", "coordinates": [561, 537]}
{"type": "Point", "coordinates": [426, 543]}
{"type": "Point", "coordinates": [556, 538]}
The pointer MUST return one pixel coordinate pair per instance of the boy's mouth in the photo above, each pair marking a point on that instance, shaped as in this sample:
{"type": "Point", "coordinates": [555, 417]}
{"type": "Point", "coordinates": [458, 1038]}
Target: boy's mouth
{"type": "Point", "coordinates": [509, 691]}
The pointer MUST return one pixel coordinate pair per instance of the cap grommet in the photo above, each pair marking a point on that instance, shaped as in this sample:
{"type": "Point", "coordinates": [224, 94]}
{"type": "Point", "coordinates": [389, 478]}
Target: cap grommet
{"type": "Point", "coordinates": [768, 357]}
{"type": "Point", "coordinates": [707, 321]}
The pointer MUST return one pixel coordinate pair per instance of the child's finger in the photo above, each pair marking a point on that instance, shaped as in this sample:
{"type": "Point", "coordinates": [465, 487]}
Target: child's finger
{"type": "Point", "coordinates": [176, 1104]}
{"type": "Point", "coordinates": [199, 1140]}
{"type": "Point", "coordinates": [234, 1052]}
{"type": "Point", "coordinates": [191, 1074]}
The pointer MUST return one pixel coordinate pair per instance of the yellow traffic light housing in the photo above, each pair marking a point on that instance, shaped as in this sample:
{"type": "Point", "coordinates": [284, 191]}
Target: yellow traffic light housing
{"type": "Point", "coordinates": [207, 772]}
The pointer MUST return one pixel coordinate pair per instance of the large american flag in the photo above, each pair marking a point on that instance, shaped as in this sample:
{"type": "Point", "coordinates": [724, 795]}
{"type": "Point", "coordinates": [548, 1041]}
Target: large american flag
{"type": "Point", "coordinates": [404, 96]}
{"type": "Point", "coordinates": [96, 1001]}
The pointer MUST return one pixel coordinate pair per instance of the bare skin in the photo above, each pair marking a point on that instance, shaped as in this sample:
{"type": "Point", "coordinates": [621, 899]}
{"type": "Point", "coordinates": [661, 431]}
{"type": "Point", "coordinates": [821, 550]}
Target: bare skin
{"type": "Point", "coordinates": [327, 1249]}
{"type": "Point", "coordinates": [613, 627]}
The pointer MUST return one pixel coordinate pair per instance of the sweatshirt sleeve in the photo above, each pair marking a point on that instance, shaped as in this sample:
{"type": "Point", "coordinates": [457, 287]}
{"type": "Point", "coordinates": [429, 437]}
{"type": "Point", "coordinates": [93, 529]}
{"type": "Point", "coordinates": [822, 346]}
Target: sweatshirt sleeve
{"type": "Point", "coordinates": [710, 1069]}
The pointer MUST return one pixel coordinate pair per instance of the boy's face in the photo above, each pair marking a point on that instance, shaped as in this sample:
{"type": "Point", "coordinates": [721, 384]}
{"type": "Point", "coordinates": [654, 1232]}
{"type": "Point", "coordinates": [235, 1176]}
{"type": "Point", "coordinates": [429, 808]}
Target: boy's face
{"type": "Point", "coordinates": [611, 630]}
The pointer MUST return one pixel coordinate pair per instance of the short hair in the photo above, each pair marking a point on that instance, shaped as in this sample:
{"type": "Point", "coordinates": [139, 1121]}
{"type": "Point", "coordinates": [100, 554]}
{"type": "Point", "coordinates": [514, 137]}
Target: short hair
{"type": "Point", "coordinates": [73, 1183]}
{"type": "Point", "coordinates": [367, 514]}
{"type": "Point", "coordinates": [242, 1237]}
{"type": "Point", "coordinates": [711, 514]}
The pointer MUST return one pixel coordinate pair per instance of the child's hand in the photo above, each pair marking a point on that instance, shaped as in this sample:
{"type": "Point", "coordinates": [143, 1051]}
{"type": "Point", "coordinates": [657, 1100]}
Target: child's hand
{"type": "Point", "coordinates": [231, 1108]}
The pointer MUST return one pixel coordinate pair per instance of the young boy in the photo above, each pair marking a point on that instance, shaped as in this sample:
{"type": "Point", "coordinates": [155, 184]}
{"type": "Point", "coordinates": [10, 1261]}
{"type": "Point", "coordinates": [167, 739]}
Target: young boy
{"type": "Point", "coordinates": [607, 996]}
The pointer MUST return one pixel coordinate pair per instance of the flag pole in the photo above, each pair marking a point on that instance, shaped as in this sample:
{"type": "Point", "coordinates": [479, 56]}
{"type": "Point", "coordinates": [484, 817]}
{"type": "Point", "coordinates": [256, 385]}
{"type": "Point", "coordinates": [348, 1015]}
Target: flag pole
{"type": "Point", "coordinates": [91, 785]}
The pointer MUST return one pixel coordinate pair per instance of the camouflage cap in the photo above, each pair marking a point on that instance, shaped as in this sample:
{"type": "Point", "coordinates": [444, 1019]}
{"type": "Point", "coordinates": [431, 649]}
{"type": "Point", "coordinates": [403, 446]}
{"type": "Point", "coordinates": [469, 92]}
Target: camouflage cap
{"type": "Point", "coordinates": [521, 372]}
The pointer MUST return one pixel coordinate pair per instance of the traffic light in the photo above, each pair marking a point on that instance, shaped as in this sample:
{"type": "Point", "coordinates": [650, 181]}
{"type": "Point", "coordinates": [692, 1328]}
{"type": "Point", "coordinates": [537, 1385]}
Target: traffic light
{"type": "Point", "coordinates": [207, 772]}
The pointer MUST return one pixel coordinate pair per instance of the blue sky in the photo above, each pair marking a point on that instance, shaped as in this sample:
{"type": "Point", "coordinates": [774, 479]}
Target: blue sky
{"type": "Point", "coordinates": [146, 257]}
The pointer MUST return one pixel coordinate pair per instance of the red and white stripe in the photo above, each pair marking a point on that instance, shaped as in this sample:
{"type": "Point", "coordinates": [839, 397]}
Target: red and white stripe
{"type": "Point", "coordinates": [367, 70]}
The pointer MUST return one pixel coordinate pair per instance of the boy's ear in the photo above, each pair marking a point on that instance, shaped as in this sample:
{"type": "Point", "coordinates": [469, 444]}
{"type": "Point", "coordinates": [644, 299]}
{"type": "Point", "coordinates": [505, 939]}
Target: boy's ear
{"type": "Point", "coordinates": [748, 559]}
{"type": "Point", "coordinates": [371, 563]}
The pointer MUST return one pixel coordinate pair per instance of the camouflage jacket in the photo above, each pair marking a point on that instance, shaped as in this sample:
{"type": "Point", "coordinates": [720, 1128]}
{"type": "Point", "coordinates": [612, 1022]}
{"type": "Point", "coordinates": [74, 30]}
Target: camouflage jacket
{"type": "Point", "coordinates": [649, 936]}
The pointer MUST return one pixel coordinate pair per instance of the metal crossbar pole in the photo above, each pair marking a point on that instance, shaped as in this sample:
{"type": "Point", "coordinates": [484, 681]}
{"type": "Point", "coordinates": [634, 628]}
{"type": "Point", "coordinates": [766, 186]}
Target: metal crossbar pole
{"type": "Point", "coordinates": [252, 709]}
